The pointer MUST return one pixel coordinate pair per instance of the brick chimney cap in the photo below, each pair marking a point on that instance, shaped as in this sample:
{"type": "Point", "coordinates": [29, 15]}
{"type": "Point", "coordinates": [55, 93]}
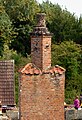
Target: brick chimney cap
{"type": "Point", "coordinates": [41, 19]}
{"type": "Point", "coordinates": [40, 29]}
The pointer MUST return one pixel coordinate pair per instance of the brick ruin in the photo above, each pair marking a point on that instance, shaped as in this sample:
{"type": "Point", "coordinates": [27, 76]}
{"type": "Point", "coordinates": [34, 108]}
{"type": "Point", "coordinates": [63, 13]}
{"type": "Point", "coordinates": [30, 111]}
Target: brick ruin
{"type": "Point", "coordinates": [41, 95]}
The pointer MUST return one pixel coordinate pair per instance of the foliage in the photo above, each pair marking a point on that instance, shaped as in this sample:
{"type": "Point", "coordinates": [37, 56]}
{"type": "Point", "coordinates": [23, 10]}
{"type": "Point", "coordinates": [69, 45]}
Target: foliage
{"type": "Point", "coordinates": [5, 28]}
{"type": "Point", "coordinates": [68, 55]}
{"type": "Point", "coordinates": [22, 14]}
{"type": "Point", "coordinates": [64, 25]}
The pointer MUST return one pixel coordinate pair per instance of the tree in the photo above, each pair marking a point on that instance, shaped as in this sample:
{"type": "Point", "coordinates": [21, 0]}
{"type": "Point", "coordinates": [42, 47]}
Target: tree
{"type": "Point", "coordinates": [68, 55]}
{"type": "Point", "coordinates": [5, 28]}
{"type": "Point", "coordinates": [22, 14]}
{"type": "Point", "coordinates": [61, 23]}
{"type": "Point", "coordinates": [79, 31]}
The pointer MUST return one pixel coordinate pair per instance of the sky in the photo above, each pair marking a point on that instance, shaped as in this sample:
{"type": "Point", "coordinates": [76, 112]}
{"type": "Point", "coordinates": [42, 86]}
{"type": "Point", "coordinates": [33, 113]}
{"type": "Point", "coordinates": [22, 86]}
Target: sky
{"type": "Point", "coordinates": [73, 6]}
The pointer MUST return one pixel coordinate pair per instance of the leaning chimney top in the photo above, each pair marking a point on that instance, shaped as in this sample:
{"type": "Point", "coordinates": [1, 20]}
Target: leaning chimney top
{"type": "Point", "coordinates": [41, 20]}
{"type": "Point", "coordinates": [40, 28]}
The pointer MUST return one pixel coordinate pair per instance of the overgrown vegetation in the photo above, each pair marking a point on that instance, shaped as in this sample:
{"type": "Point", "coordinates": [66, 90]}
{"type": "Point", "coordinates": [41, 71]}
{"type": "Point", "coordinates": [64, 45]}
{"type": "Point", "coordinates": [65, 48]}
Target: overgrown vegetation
{"type": "Point", "coordinates": [17, 19]}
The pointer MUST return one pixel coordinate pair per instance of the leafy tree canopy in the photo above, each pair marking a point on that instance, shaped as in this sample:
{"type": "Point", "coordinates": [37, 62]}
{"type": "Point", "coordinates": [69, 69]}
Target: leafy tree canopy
{"type": "Point", "coordinates": [68, 55]}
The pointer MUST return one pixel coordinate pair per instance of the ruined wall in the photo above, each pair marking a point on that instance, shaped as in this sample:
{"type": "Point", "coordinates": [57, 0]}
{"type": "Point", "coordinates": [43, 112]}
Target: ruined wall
{"type": "Point", "coordinates": [42, 97]}
{"type": "Point", "coordinates": [41, 86]}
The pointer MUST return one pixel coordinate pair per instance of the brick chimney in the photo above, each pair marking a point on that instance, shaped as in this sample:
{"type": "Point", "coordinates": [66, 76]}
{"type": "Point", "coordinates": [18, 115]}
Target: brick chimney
{"type": "Point", "coordinates": [41, 44]}
{"type": "Point", "coordinates": [41, 95]}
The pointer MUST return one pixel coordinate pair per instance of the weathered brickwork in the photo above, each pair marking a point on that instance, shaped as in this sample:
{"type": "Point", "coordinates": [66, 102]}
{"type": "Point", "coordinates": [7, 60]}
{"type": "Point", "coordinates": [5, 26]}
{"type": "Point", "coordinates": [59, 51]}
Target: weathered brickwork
{"type": "Point", "coordinates": [41, 86]}
{"type": "Point", "coordinates": [42, 97]}
{"type": "Point", "coordinates": [41, 51]}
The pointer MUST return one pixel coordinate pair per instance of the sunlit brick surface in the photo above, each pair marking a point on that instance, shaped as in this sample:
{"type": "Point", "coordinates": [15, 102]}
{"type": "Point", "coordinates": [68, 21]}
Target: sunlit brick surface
{"type": "Point", "coordinates": [42, 97]}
